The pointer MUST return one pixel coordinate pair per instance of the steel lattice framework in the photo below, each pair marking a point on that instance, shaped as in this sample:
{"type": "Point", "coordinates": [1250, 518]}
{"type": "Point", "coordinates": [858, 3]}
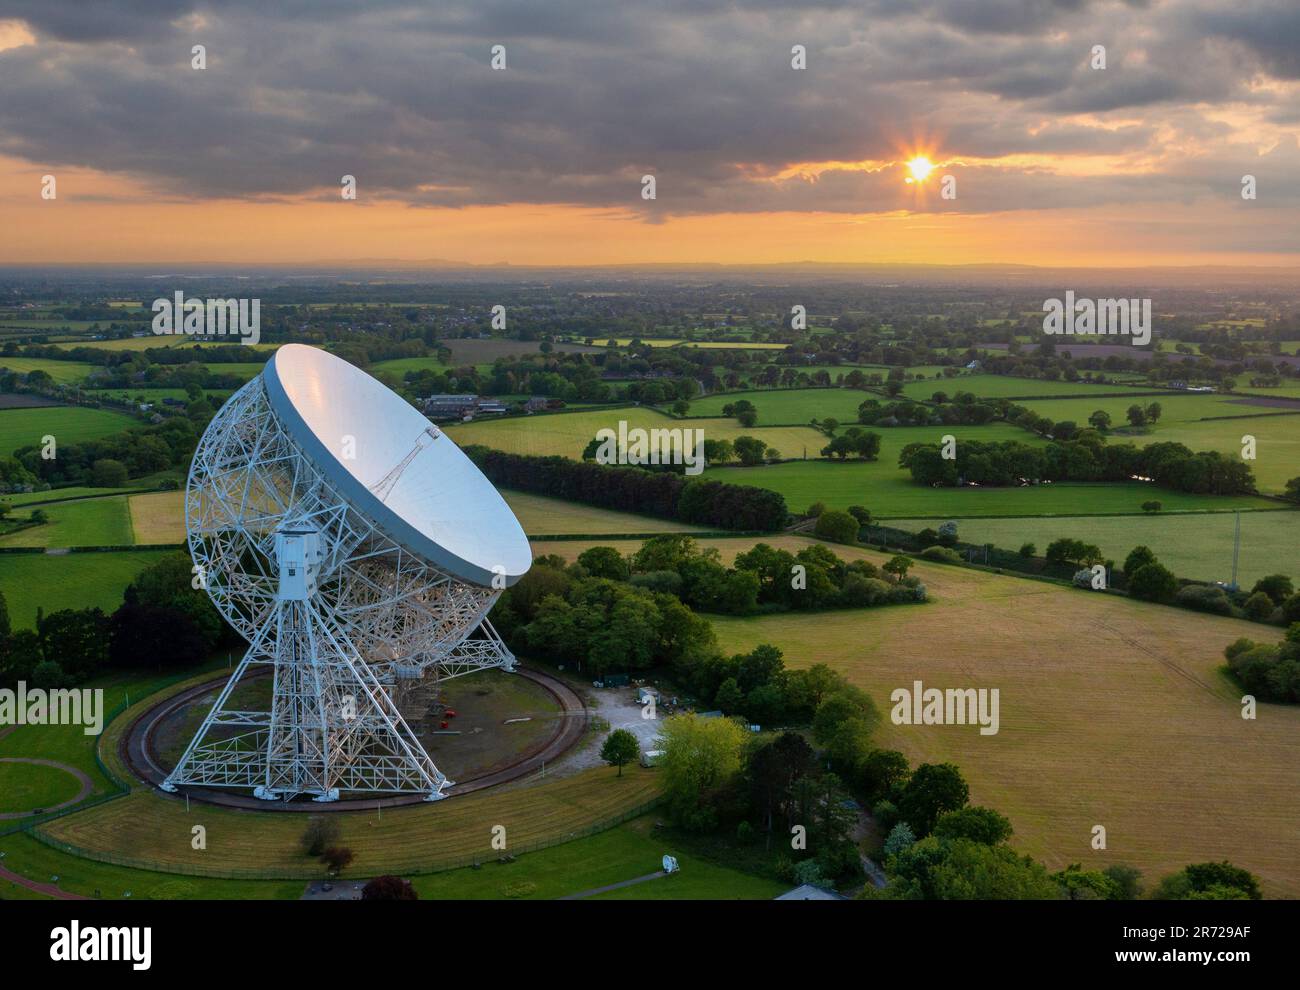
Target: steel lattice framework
{"type": "Point", "coordinates": [376, 616]}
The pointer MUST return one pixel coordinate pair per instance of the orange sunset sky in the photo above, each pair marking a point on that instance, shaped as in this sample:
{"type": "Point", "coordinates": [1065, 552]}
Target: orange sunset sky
{"type": "Point", "coordinates": [1053, 160]}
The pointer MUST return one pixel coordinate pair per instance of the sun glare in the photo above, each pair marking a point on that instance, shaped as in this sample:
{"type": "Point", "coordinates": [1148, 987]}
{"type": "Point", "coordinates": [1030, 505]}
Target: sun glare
{"type": "Point", "coordinates": [919, 167]}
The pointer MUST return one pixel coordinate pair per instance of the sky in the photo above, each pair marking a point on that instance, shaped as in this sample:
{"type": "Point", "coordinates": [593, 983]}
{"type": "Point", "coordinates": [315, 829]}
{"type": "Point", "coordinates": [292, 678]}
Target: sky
{"type": "Point", "coordinates": [1040, 154]}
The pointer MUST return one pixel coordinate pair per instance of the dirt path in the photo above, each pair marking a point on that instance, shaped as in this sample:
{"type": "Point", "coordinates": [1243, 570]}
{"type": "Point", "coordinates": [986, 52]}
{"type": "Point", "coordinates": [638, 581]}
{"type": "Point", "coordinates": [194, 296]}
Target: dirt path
{"type": "Point", "coordinates": [48, 889]}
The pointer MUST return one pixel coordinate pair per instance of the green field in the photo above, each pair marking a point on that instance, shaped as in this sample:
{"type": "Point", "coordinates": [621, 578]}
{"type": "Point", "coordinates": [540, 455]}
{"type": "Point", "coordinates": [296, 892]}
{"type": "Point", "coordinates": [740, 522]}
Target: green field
{"type": "Point", "coordinates": [67, 424]}
{"type": "Point", "coordinates": [79, 523]}
{"type": "Point", "coordinates": [1192, 546]}
{"type": "Point", "coordinates": [1005, 387]}
{"type": "Point", "coordinates": [74, 580]}
{"type": "Point", "coordinates": [890, 493]}
{"type": "Point", "coordinates": [567, 434]}
{"type": "Point", "coordinates": [398, 367]}
{"type": "Point", "coordinates": [153, 341]}
{"type": "Point", "coordinates": [63, 372]}
{"type": "Point", "coordinates": [153, 395]}
{"type": "Point", "coordinates": [790, 406]}
{"type": "Point", "coordinates": [55, 495]}
{"type": "Point", "coordinates": [28, 786]}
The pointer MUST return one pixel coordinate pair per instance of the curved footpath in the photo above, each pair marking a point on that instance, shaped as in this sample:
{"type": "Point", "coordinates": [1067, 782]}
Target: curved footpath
{"type": "Point", "coordinates": [137, 751]}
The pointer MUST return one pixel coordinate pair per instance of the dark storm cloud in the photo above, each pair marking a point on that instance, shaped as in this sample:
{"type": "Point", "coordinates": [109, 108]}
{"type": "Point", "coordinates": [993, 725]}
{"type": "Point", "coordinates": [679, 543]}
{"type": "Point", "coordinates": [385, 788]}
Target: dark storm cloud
{"type": "Point", "coordinates": [300, 92]}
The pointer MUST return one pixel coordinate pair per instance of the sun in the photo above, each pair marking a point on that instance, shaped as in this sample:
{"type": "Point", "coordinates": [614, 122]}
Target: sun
{"type": "Point", "coordinates": [920, 167]}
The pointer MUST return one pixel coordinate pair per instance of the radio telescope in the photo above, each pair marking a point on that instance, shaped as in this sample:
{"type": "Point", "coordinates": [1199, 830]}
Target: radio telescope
{"type": "Point", "coordinates": [356, 548]}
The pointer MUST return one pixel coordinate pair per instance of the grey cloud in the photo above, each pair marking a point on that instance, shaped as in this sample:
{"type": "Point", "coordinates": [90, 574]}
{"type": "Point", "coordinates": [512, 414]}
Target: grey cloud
{"type": "Point", "coordinates": [298, 93]}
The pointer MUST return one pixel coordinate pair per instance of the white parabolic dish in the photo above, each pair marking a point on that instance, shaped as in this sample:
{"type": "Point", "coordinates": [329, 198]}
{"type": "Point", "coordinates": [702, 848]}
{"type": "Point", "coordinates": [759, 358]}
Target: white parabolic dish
{"type": "Point", "coordinates": [359, 432]}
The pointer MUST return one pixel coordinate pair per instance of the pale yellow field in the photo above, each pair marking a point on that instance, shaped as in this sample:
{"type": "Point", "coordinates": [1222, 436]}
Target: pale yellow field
{"type": "Point", "coordinates": [158, 517]}
{"type": "Point", "coordinates": [567, 434]}
{"type": "Point", "coordinates": [541, 516]}
{"type": "Point", "coordinates": [1113, 713]}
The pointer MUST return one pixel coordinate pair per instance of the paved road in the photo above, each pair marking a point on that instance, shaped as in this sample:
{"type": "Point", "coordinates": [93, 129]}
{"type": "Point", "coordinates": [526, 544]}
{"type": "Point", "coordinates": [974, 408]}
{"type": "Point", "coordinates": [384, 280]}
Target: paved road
{"type": "Point", "coordinates": [614, 886]}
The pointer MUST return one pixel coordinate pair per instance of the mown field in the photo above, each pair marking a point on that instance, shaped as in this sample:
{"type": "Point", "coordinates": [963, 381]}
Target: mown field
{"type": "Point", "coordinates": [145, 831]}
{"type": "Point", "coordinates": [1113, 712]}
{"type": "Point", "coordinates": [567, 434]}
{"type": "Point", "coordinates": [67, 424]}
{"type": "Point", "coordinates": [790, 406]}
{"type": "Point", "coordinates": [79, 523]}
{"type": "Point", "coordinates": [1192, 546]}
{"type": "Point", "coordinates": [158, 517]}
{"type": "Point", "coordinates": [73, 580]}
{"type": "Point", "coordinates": [63, 372]}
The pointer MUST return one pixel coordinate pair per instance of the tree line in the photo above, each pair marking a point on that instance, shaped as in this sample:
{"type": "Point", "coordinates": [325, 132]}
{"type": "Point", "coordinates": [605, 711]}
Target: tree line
{"type": "Point", "coordinates": [631, 489]}
{"type": "Point", "coordinates": [1009, 462]}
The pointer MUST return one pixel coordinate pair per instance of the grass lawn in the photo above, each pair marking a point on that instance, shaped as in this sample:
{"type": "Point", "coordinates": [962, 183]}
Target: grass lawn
{"type": "Point", "coordinates": [74, 580]}
{"type": "Point", "coordinates": [630, 850]}
{"type": "Point", "coordinates": [67, 424]}
{"type": "Point", "coordinates": [27, 786]}
{"type": "Point", "coordinates": [1112, 712]}
{"type": "Point", "coordinates": [1192, 546]}
{"type": "Point", "coordinates": [542, 516]}
{"type": "Point", "coordinates": [79, 523]}
{"type": "Point", "coordinates": [568, 434]}
{"type": "Point", "coordinates": [149, 831]}
{"type": "Point", "coordinates": [63, 372]}
{"type": "Point", "coordinates": [158, 517]}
